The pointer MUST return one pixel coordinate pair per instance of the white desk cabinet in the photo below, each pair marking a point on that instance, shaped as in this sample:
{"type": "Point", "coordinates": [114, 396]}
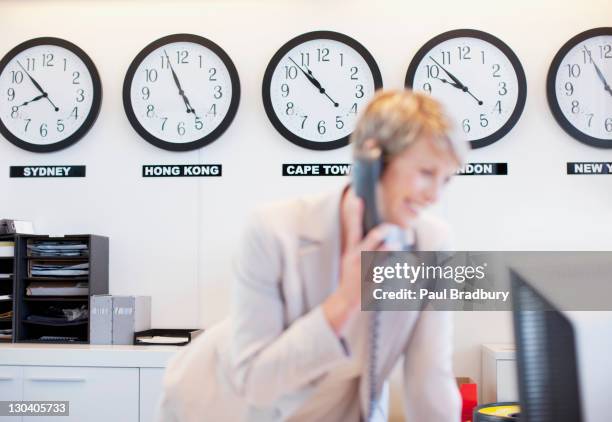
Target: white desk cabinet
{"type": "Point", "coordinates": [102, 383]}
{"type": "Point", "coordinates": [499, 379]}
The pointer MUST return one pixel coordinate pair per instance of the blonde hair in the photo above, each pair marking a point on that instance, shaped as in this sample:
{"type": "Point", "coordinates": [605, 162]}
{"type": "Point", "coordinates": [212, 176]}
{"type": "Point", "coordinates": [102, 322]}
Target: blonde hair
{"type": "Point", "coordinates": [397, 119]}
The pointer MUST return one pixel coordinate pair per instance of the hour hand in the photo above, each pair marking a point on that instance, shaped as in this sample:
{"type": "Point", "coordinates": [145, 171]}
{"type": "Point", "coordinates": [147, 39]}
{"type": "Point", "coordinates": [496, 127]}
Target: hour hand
{"type": "Point", "coordinates": [38, 87]}
{"type": "Point", "coordinates": [31, 101]}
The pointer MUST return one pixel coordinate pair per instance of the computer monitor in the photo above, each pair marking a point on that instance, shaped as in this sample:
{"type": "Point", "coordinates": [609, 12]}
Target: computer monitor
{"type": "Point", "coordinates": [564, 355]}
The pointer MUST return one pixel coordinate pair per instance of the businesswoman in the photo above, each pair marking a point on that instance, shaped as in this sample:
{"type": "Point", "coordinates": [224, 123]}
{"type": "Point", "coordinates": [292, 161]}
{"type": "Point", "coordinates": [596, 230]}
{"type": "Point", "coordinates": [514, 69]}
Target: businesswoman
{"type": "Point", "coordinates": [297, 347]}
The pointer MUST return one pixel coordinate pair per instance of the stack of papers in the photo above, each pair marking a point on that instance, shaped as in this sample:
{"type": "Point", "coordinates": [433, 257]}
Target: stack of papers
{"type": "Point", "coordinates": [57, 249]}
{"type": "Point", "coordinates": [7, 249]}
{"type": "Point", "coordinates": [57, 288]}
{"type": "Point", "coordinates": [6, 297]}
{"type": "Point", "coordinates": [58, 269]}
{"type": "Point", "coordinates": [6, 316]}
{"type": "Point", "coordinates": [5, 276]}
{"type": "Point", "coordinates": [6, 334]}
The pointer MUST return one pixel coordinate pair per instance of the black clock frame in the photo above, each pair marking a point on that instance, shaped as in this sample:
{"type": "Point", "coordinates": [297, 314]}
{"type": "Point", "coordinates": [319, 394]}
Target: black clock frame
{"type": "Point", "coordinates": [95, 105]}
{"type": "Point", "coordinates": [551, 95]}
{"type": "Point", "coordinates": [267, 80]}
{"type": "Point", "coordinates": [219, 130]}
{"type": "Point", "coordinates": [504, 48]}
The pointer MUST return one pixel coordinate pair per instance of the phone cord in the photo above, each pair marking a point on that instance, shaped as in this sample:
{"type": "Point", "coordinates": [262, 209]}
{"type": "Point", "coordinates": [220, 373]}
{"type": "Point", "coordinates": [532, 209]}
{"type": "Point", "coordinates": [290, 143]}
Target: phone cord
{"type": "Point", "coordinates": [374, 321]}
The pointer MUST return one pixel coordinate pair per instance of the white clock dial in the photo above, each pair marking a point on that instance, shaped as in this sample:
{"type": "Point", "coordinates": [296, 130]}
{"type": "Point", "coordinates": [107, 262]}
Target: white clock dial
{"type": "Point", "coordinates": [50, 94]}
{"type": "Point", "coordinates": [477, 78]}
{"type": "Point", "coordinates": [181, 92]}
{"type": "Point", "coordinates": [315, 87]}
{"type": "Point", "coordinates": [580, 93]}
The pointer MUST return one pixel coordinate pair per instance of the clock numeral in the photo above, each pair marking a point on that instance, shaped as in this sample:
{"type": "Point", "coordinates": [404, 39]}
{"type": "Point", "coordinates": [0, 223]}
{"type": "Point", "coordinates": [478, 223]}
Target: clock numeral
{"type": "Point", "coordinates": [27, 124]}
{"type": "Point", "coordinates": [60, 125]}
{"type": "Point", "coordinates": [47, 60]}
{"type": "Point", "coordinates": [212, 110]}
{"type": "Point", "coordinates": [464, 52]}
{"type": "Point", "coordinates": [359, 93]}
{"type": "Point", "coordinates": [305, 59]}
{"type": "Point", "coordinates": [180, 128]}
{"type": "Point", "coordinates": [498, 107]}
{"type": "Point", "coordinates": [212, 72]}
{"type": "Point", "coordinates": [11, 94]}
{"type": "Point", "coordinates": [182, 57]}
{"type": "Point", "coordinates": [608, 124]}
{"type": "Point", "coordinates": [586, 56]}
{"type": "Point", "coordinates": [285, 90]}
{"type": "Point", "coordinates": [322, 54]}
{"type": "Point", "coordinates": [569, 89]}
{"type": "Point", "coordinates": [198, 124]}
{"type": "Point", "coordinates": [289, 110]}
{"type": "Point", "coordinates": [354, 71]}
{"type": "Point", "coordinates": [75, 78]}
{"type": "Point", "coordinates": [65, 63]}
{"type": "Point", "coordinates": [353, 109]}
{"type": "Point", "coordinates": [146, 92]}
{"type": "Point", "coordinates": [165, 62]}
{"type": "Point", "coordinates": [291, 72]}
{"type": "Point", "coordinates": [150, 110]}
{"type": "Point", "coordinates": [165, 119]}
{"type": "Point", "coordinates": [31, 63]}
{"type": "Point", "coordinates": [218, 94]}
{"type": "Point", "coordinates": [590, 117]}
{"type": "Point", "coordinates": [14, 112]}
{"type": "Point", "coordinates": [151, 75]}
{"type": "Point", "coordinates": [573, 70]}
{"type": "Point", "coordinates": [16, 77]}
{"type": "Point", "coordinates": [75, 113]}
{"type": "Point", "coordinates": [427, 87]}
{"type": "Point", "coordinates": [303, 120]}
{"type": "Point", "coordinates": [339, 122]}
{"type": "Point", "coordinates": [496, 68]}
{"type": "Point", "coordinates": [80, 95]}
{"type": "Point", "coordinates": [433, 71]}
{"type": "Point", "coordinates": [321, 127]}
{"type": "Point", "coordinates": [446, 57]}
{"type": "Point", "coordinates": [466, 125]}
{"type": "Point", "coordinates": [502, 89]}
{"type": "Point", "coordinates": [341, 59]}
{"type": "Point", "coordinates": [200, 59]}
{"type": "Point", "coordinates": [605, 51]}
{"type": "Point", "coordinates": [43, 130]}
{"type": "Point", "coordinates": [482, 55]}
{"type": "Point", "coordinates": [575, 107]}
{"type": "Point", "coordinates": [484, 122]}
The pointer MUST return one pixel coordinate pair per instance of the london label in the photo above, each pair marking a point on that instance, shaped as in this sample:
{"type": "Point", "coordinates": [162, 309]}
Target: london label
{"type": "Point", "coordinates": [483, 169]}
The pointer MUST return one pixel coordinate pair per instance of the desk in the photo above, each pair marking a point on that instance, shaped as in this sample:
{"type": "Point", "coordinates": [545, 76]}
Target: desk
{"type": "Point", "coordinates": [102, 383]}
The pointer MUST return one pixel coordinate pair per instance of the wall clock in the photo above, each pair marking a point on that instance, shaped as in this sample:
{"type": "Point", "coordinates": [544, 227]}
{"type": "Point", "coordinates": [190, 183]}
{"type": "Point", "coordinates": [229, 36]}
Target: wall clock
{"type": "Point", "coordinates": [50, 94]}
{"type": "Point", "coordinates": [315, 86]}
{"type": "Point", "coordinates": [477, 77]}
{"type": "Point", "coordinates": [578, 87]}
{"type": "Point", "coordinates": [181, 92]}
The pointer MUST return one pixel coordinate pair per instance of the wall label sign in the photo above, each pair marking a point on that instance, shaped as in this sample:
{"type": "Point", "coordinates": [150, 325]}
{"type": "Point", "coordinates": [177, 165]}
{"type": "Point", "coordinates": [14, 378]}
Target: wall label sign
{"type": "Point", "coordinates": [182, 170]}
{"type": "Point", "coordinates": [317, 169]}
{"type": "Point", "coordinates": [483, 169]}
{"type": "Point", "coordinates": [47, 171]}
{"type": "Point", "coordinates": [589, 168]}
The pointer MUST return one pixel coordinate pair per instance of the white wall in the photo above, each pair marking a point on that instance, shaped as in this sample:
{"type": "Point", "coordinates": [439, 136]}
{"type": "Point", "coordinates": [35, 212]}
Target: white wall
{"type": "Point", "coordinates": [173, 238]}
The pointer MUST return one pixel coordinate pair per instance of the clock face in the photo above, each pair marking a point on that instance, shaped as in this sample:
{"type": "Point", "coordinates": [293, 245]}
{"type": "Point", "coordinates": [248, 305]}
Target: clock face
{"type": "Point", "coordinates": [316, 85]}
{"type": "Point", "coordinates": [477, 78]}
{"type": "Point", "coordinates": [181, 92]}
{"type": "Point", "coordinates": [50, 94]}
{"type": "Point", "coordinates": [579, 87]}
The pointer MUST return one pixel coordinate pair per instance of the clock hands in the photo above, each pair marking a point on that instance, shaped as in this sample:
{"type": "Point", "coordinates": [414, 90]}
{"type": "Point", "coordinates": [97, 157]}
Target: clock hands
{"type": "Point", "coordinates": [456, 82]}
{"type": "Point", "coordinates": [190, 109]}
{"type": "Point", "coordinates": [599, 73]}
{"type": "Point", "coordinates": [38, 87]}
{"type": "Point", "coordinates": [315, 82]}
{"type": "Point", "coordinates": [31, 101]}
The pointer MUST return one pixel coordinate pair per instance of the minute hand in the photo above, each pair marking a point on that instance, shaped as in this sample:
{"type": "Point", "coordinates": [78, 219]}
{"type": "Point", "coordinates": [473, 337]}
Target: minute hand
{"type": "Point", "coordinates": [602, 78]}
{"type": "Point", "coordinates": [458, 84]}
{"type": "Point", "coordinates": [314, 81]}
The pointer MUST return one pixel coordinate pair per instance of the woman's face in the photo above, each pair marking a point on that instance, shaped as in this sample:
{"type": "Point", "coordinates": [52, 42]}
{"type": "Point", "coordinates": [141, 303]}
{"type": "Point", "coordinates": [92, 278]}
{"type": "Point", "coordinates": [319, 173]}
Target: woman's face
{"type": "Point", "coordinates": [413, 180]}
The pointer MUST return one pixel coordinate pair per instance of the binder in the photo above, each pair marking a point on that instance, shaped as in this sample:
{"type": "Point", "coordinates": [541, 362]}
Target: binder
{"type": "Point", "coordinates": [101, 320]}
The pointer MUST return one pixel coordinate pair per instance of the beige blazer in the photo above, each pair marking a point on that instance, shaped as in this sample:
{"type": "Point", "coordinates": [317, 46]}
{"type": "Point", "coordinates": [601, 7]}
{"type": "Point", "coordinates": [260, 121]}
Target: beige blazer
{"type": "Point", "coordinates": [266, 358]}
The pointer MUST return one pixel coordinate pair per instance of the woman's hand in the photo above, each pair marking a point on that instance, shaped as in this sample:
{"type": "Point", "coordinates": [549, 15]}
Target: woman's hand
{"type": "Point", "coordinates": [346, 299]}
